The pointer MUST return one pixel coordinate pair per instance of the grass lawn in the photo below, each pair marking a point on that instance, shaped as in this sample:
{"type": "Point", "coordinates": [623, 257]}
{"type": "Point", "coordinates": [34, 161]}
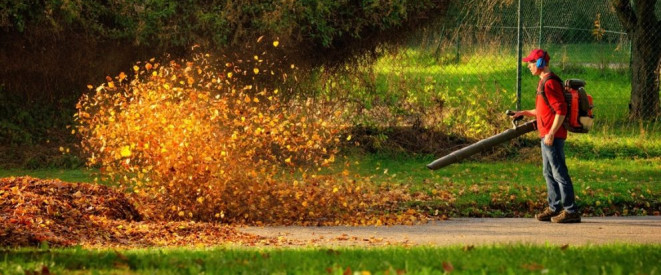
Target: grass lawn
{"type": "Point", "coordinates": [508, 188]}
{"type": "Point", "coordinates": [510, 259]}
{"type": "Point", "coordinates": [69, 175]}
{"type": "Point", "coordinates": [427, 75]}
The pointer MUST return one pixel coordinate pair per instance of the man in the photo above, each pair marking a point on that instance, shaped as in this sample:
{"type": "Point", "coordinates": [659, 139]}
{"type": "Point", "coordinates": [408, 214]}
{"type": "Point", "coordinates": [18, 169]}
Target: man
{"type": "Point", "coordinates": [550, 113]}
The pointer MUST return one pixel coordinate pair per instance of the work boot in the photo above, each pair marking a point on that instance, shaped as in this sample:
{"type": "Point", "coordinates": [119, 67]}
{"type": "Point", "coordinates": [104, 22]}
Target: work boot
{"type": "Point", "coordinates": [546, 215]}
{"type": "Point", "coordinates": [566, 217]}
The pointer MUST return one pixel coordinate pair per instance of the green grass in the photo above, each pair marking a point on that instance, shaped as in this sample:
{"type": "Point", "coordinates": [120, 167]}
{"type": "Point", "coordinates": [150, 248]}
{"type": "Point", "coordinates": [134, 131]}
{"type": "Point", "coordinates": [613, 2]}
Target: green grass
{"type": "Point", "coordinates": [69, 175]}
{"type": "Point", "coordinates": [428, 75]}
{"type": "Point", "coordinates": [411, 170]}
{"type": "Point", "coordinates": [603, 186]}
{"type": "Point", "coordinates": [511, 259]}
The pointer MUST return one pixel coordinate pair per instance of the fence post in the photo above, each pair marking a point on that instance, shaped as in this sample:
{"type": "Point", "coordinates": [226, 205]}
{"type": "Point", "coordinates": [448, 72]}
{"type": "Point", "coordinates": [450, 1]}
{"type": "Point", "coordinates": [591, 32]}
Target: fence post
{"type": "Point", "coordinates": [541, 21]}
{"type": "Point", "coordinates": [518, 60]}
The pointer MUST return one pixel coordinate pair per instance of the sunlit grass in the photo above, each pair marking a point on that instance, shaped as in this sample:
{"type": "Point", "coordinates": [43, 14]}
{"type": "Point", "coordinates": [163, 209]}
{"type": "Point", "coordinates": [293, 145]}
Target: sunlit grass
{"type": "Point", "coordinates": [610, 87]}
{"type": "Point", "coordinates": [496, 188]}
{"type": "Point", "coordinates": [69, 175]}
{"type": "Point", "coordinates": [495, 259]}
{"type": "Point", "coordinates": [618, 173]}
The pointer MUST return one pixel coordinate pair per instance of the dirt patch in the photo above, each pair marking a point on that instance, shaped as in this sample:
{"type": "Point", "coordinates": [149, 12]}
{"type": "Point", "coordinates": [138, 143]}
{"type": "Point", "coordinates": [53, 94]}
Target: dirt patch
{"type": "Point", "coordinates": [406, 139]}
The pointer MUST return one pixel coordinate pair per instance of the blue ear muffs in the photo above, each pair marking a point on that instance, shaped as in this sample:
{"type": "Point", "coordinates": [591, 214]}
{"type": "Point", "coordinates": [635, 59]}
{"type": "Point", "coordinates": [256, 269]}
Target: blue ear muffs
{"type": "Point", "coordinates": [541, 63]}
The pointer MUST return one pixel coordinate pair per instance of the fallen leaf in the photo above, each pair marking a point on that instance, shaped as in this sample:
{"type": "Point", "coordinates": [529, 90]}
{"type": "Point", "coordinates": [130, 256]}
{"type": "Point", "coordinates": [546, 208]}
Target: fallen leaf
{"type": "Point", "coordinates": [448, 267]}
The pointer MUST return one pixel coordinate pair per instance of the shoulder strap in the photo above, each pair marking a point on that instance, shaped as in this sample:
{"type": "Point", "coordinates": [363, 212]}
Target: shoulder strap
{"type": "Point", "coordinates": [543, 93]}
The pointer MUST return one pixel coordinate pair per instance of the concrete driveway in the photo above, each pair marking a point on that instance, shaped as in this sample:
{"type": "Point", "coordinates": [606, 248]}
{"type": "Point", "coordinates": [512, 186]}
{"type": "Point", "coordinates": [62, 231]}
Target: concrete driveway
{"type": "Point", "coordinates": [474, 231]}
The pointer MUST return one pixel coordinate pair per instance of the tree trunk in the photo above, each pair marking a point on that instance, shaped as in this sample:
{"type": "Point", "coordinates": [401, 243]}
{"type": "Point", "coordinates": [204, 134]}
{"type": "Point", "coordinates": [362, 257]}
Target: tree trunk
{"type": "Point", "coordinates": [645, 77]}
{"type": "Point", "coordinates": [643, 28]}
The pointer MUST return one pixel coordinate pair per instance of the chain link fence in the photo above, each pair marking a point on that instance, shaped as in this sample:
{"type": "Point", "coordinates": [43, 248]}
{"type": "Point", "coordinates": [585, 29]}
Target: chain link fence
{"type": "Point", "coordinates": [476, 48]}
{"type": "Point", "coordinates": [586, 39]}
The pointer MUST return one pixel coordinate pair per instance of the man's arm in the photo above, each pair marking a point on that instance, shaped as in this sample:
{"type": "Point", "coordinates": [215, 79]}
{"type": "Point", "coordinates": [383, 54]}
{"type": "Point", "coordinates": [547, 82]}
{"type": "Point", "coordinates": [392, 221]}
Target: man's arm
{"type": "Point", "coordinates": [532, 112]}
{"type": "Point", "coordinates": [557, 102]}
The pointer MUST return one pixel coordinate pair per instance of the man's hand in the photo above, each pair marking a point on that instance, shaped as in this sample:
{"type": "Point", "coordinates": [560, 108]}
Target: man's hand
{"type": "Point", "coordinates": [557, 123]}
{"type": "Point", "coordinates": [548, 139]}
{"type": "Point", "coordinates": [523, 113]}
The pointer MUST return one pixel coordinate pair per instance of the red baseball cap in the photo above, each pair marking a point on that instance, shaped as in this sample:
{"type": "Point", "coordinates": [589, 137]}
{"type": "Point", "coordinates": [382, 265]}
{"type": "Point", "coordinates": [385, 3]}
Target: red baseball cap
{"type": "Point", "coordinates": [537, 54]}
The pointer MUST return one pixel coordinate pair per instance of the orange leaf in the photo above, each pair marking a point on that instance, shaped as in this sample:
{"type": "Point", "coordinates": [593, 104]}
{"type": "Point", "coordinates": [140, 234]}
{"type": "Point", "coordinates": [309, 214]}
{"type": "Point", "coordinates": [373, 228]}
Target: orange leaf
{"type": "Point", "coordinates": [533, 266]}
{"type": "Point", "coordinates": [448, 267]}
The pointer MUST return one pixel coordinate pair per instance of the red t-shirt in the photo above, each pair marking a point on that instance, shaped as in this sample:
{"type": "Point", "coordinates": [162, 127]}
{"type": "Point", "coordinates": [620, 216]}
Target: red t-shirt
{"type": "Point", "coordinates": [555, 94]}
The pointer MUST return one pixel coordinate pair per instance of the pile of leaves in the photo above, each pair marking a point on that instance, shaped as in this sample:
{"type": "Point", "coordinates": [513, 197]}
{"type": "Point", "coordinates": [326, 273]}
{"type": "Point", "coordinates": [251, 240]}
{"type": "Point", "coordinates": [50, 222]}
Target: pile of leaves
{"type": "Point", "coordinates": [35, 211]}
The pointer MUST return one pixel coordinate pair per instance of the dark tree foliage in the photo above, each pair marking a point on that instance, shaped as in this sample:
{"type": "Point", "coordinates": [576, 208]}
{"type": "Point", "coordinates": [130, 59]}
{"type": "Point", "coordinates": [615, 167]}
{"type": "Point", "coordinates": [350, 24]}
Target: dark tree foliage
{"type": "Point", "coordinates": [166, 25]}
{"type": "Point", "coordinates": [51, 49]}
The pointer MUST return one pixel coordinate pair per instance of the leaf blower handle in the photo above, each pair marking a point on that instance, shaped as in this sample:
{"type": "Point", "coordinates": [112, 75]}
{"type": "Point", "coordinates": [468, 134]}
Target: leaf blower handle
{"type": "Point", "coordinates": [515, 121]}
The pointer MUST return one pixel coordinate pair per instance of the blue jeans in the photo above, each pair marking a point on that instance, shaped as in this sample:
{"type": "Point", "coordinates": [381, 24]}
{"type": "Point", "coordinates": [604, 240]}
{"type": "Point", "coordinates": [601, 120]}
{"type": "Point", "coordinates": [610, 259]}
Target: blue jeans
{"type": "Point", "coordinates": [558, 182]}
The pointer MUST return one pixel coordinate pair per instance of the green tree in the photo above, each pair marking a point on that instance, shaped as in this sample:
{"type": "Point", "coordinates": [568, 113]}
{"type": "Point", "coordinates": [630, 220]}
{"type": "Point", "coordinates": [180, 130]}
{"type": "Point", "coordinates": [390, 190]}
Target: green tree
{"type": "Point", "coordinates": [644, 29]}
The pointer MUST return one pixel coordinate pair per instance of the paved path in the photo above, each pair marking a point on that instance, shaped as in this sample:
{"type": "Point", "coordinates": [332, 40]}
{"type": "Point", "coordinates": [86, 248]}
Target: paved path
{"type": "Point", "coordinates": [476, 231]}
